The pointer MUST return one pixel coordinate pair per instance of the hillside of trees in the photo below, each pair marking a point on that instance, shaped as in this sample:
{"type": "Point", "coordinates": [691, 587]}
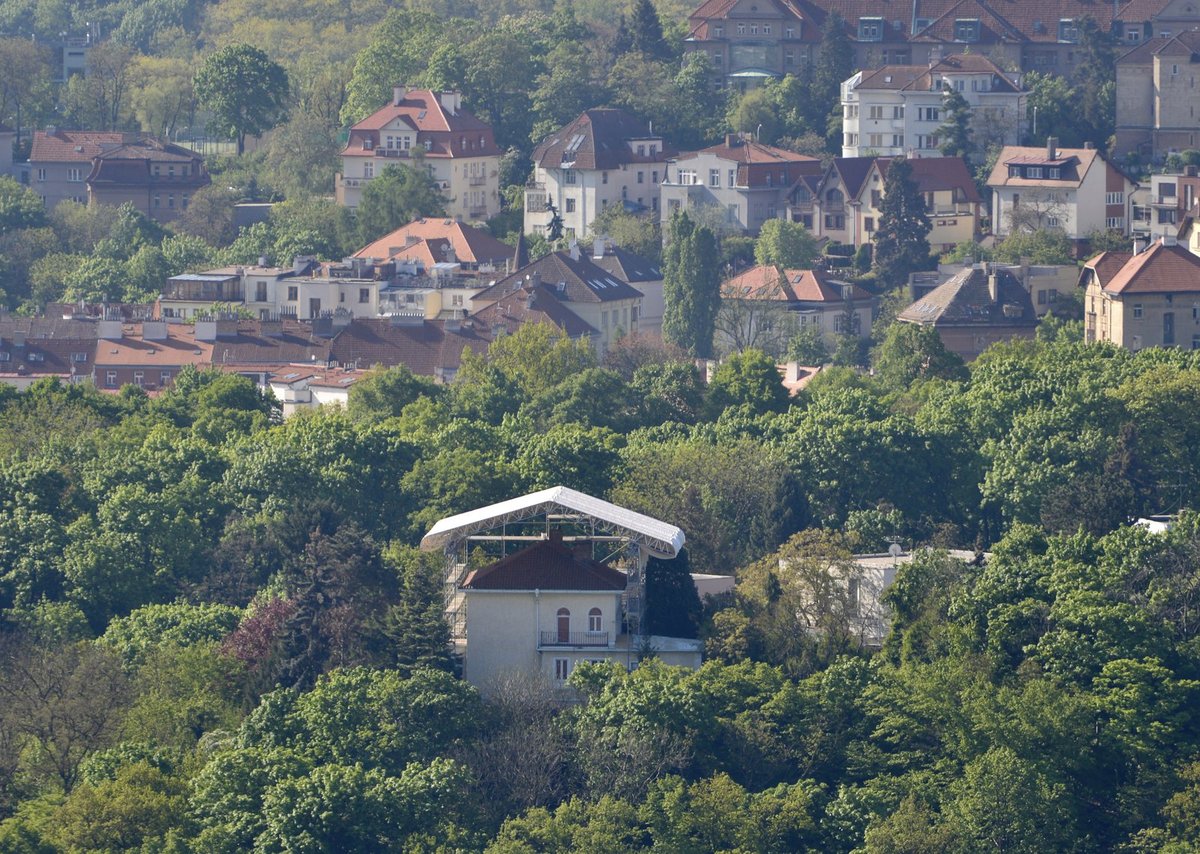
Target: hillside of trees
{"type": "Point", "coordinates": [217, 634]}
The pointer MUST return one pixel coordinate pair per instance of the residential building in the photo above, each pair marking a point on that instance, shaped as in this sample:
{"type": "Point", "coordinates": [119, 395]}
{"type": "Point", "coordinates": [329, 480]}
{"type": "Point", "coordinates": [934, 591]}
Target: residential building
{"type": "Point", "coordinates": [303, 387]}
{"type": "Point", "coordinates": [431, 130]}
{"type": "Point", "coordinates": [1156, 96]}
{"type": "Point", "coordinates": [543, 607]}
{"type": "Point", "coordinates": [34, 348]}
{"type": "Point", "coordinates": [604, 157]}
{"type": "Point", "coordinates": [529, 303]}
{"type": "Point", "coordinates": [831, 208]}
{"type": "Point", "coordinates": [437, 266]}
{"type": "Point", "coordinates": [745, 181]}
{"type": "Point", "coordinates": [899, 109]}
{"type": "Point", "coordinates": [633, 269]}
{"type": "Point", "coordinates": [750, 42]}
{"type": "Point", "coordinates": [974, 310]}
{"type": "Point", "coordinates": [764, 307]}
{"type": "Point", "coordinates": [158, 178]}
{"type": "Point", "coordinates": [1046, 284]}
{"type": "Point", "coordinates": [604, 304]}
{"type": "Point", "coordinates": [61, 160]}
{"type": "Point", "coordinates": [952, 200]}
{"type": "Point", "coordinates": [1151, 299]}
{"type": "Point", "coordinates": [261, 289]}
{"type": "Point", "coordinates": [1075, 190]}
{"type": "Point", "coordinates": [1160, 207]}
{"type": "Point", "coordinates": [430, 348]}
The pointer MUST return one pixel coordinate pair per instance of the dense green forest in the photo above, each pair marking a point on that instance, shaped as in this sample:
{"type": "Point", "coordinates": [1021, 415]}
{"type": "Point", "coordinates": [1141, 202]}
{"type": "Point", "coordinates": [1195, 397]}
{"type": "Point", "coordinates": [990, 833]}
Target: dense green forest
{"type": "Point", "coordinates": [217, 635]}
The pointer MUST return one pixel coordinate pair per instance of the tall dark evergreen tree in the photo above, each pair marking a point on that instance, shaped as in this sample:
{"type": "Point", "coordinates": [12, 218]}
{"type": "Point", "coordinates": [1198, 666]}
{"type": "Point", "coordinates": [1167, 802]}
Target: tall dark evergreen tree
{"type": "Point", "coordinates": [955, 133]}
{"type": "Point", "coordinates": [623, 40]}
{"type": "Point", "coordinates": [672, 605]}
{"type": "Point", "coordinates": [416, 628]}
{"type": "Point", "coordinates": [691, 286]}
{"type": "Point", "coordinates": [834, 64]}
{"type": "Point", "coordinates": [1096, 87]}
{"type": "Point", "coordinates": [902, 241]}
{"type": "Point", "coordinates": [647, 33]}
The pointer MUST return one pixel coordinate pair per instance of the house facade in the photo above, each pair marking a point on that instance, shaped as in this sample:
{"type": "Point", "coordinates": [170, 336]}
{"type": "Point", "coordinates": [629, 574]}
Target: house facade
{"type": "Point", "coordinates": [602, 302]}
{"type": "Point", "coordinates": [899, 109]}
{"type": "Point", "coordinates": [1075, 190]}
{"type": "Point", "coordinates": [1151, 299]}
{"type": "Point", "coordinates": [1163, 206]}
{"type": "Point", "coordinates": [763, 307]}
{"type": "Point", "coordinates": [432, 130]}
{"type": "Point", "coordinates": [604, 157]}
{"type": "Point", "coordinates": [1014, 34]}
{"type": "Point", "coordinates": [1156, 96]}
{"type": "Point", "coordinates": [750, 41]}
{"type": "Point", "coordinates": [744, 182]}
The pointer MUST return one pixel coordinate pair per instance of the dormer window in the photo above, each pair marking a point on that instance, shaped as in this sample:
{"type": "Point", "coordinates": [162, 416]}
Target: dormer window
{"type": "Point", "coordinates": [870, 29]}
{"type": "Point", "coordinates": [789, 32]}
{"type": "Point", "coordinates": [920, 24]}
{"type": "Point", "coordinates": [1068, 31]}
{"type": "Point", "coordinates": [966, 29]}
{"type": "Point", "coordinates": [1054, 172]}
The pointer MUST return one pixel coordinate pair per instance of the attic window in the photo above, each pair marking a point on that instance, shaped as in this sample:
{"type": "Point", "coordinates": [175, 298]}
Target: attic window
{"type": "Point", "coordinates": [920, 24]}
{"type": "Point", "coordinates": [37, 357]}
{"type": "Point", "coordinates": [1068, 31]}
{"type": "Point", "coordinates": [966, 29]}
{"type": "Point", "coordinates": [870, 29]}
{"type": "Point", "coordinates": [1039, 27]}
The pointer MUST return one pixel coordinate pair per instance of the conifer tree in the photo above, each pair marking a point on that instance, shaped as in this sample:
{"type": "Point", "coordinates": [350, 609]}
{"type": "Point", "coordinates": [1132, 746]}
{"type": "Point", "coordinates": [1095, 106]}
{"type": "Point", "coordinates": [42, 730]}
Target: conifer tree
{"type": "Point", "coordinates": [902, 241]}
{"type": "Point", "coordinates": [956, 132]}
{"type": "Point", "coordinates": [834, 64]}
{"type": "Point", "coordinates": [647, 32]}
{"type": "Point", "coordinates": [691, 286]}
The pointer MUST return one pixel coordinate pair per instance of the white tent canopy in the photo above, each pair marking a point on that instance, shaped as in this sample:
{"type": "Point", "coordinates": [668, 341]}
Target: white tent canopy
{"type": "Point", "coordinates": [659, 538]}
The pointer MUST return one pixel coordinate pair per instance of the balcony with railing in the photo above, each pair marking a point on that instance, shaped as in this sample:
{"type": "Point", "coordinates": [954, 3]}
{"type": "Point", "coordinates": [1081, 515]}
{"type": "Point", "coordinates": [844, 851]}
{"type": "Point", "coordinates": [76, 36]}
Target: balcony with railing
{"type": "Point", "coordinates": [477, 180]}
{"type": "Point", "coordinates": [553, 638]}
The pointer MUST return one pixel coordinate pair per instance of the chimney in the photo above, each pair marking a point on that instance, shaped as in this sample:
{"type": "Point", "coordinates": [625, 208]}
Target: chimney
{"type": "Point", "coordinates": [1139, 246]}
{"type": "Point", "coordinates": [109, 330]}
{"type": "Point", "coordinates": [1051, 148]}
{"type": "Point", "coordinates": [732, 140]}
{"type": "Point", "coordinates": [573, 251]}
{"type": "Point", "coordinates": [205, 329]}
{"type": "Point", "coordinates": [264, 261]}
{"type": "Point", "coordinates": [599, 247]}
{"type": "Point", "coordinates": [398, 95]}
{"type": "Point", "coordinates": [993, 288]}
{"type": "Point", "coordinates": [451, 101]}
{"type": "Point", "coordinates": [154, 330]}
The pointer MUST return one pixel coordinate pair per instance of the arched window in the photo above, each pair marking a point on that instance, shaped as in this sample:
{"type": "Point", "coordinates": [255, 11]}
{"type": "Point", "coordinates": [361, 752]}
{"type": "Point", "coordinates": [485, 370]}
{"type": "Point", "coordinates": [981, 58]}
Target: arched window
{"type": "Point", "coordinates": [564, 625]}
{"type": "Point", "coordinates": [595, 620]}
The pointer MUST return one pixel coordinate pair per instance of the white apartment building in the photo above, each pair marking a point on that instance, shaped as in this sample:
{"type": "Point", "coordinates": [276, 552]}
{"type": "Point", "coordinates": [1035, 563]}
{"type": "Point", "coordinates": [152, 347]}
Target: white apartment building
{"type": "Point", "coordinates": [898, 109]}
{"type": "Point", "coordinates": [1075, 190]}
{"type": "Point", "coordinates": [605, 157]}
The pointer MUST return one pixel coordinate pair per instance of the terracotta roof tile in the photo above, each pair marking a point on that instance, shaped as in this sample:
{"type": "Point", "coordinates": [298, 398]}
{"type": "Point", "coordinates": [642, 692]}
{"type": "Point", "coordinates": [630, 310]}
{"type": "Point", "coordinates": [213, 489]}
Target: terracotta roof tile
{"type": "Point", "coordinates": [934, 174]}
{"type": "Point", "coordinates": [532, 305]}
{"type": "Point", "coordinates": [71, 145]}
{"type": "Point", "coordinates": [964, 300]}
{"type": "Point", "coordinates": [427, 347]}
{"type": "Point", "coordinates": [548, 565]}
{"type": "Point", "coordinates": [577, 280]}
{"type": "Point", "coordinates": [471, 245]}
{"type": "Point", "coordinates": [1159, 270]}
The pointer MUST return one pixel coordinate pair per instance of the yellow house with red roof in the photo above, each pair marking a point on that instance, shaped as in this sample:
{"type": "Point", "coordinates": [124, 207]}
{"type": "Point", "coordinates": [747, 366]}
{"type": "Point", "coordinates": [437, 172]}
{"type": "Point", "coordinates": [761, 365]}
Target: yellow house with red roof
{"type": "Point", "coordinates": [420, 125]}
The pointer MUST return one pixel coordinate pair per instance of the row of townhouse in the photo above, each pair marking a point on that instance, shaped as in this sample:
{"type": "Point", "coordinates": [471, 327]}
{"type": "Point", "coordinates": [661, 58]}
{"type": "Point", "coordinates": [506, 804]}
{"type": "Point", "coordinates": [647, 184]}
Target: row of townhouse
{"type": "Point", "coordinates": [750, 41]}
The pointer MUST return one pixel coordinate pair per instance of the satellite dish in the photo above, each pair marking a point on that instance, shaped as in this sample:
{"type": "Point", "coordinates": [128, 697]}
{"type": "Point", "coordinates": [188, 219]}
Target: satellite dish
{"type": "Point", "coordinates": [895, 550]}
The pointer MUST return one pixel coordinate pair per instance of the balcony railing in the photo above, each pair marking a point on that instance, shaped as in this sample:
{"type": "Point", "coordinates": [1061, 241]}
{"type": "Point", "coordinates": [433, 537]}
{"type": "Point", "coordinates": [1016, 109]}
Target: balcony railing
{"type": "Point", "coordinates": [1166, 201]}
{"type": "Point", "coordinates": [575, 639]}
{"type": "Point", "coordinates": [477, 180]}
{"type": "Point", "coordinates": [833, 207]}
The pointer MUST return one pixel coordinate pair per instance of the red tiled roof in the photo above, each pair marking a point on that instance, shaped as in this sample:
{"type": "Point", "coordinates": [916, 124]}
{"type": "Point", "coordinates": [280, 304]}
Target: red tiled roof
{"type": "Point", "coordinates": [548, 565]}
{"type": "Point", "coordinates": [1107, 264]}
{"type": "Point", "coordinates": [922, 78]}
{"type": "Point", "coordinates": [426, 347]}
{"type": "Point", "coordinates": [933, 174]}
{"type": "Point", "coordinates": [765, 282]}
{"type": "Point", "coordinates": [438, 130]}
{"type": "Point", "coordinates": [71, 145]}
{"type": "Point", "coordinates": [599, 139]}
{"type": "Point", "coordinates": [471, 245]}
{"type": "Point", "coordinates": [1159, 270]}
{"type": "Point", "coordinates": [965, 300]}
{"type": "Point", "coordinates": [532, 305]}
{"type": "Point", "coordinates": [749, 152]}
